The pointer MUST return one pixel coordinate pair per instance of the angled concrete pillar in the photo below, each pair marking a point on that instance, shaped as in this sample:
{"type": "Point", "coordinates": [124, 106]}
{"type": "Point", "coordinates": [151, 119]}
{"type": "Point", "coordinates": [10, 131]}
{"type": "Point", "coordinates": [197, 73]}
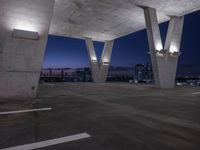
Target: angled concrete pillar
{"type": "Point", "coordinates": [164, 60]}
{"type": "Point", "coordinates": [24, 26]}
{"type": "Point", "coordinates": [99, 69]}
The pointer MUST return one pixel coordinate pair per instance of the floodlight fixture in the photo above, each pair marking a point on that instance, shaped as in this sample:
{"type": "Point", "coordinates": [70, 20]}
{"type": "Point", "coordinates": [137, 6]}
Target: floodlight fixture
{"type": "Point", "coordinates": [23, 34]}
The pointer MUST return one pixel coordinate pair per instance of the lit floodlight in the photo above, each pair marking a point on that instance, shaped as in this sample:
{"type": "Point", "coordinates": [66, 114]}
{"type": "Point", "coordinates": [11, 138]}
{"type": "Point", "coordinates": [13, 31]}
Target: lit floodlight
{"type": "Point", "coordinates": [159, 46]}
{"type": "Point", "coordinates": [21, 22]}
{"type": "Point", "coordinates": [94, 60]}
{"type": "Point", "coordinates": [30, 35]}
{"type": "Point", "coordinates": [173, 49]}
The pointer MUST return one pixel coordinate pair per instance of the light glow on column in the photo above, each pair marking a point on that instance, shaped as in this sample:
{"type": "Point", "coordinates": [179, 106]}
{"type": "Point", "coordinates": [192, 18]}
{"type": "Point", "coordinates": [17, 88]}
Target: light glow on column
{"type": "Point", "coordinates": [25, 26]}
{"type": "Point", "coordinates": [106, 60]}
{"type": "Point", "coordinates": [93, 59]}
{"type": "Point", "coordinates": [159, 46]}
{"type": "Point", "coordinates": [173, 48]}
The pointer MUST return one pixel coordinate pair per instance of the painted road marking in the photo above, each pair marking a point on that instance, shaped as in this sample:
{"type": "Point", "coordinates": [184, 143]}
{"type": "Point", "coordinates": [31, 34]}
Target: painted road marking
{"type": "Point", "coordinates": [49, 142]}
{"type": "Point", "coordinates": [196, 93]}
{"type": "Point", "coordinates": [24, 111]}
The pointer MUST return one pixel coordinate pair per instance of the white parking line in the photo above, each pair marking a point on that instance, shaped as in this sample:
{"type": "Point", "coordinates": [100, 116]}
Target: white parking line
{"type": "Point", "coordinates": [24, 111]}
{"type": "Point", "coordinates": [49, 142]}
{"type": "Point", "coordinates": [196, 93]}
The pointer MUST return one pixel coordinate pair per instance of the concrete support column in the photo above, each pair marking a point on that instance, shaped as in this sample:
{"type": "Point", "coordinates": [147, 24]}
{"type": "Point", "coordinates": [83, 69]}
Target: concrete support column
{"type": "Point", "coordinates": [164, 61]}
{"type": "Point", "coordinates": [24, 28]}
{"type": "Point", "coordinates": [99, 69]}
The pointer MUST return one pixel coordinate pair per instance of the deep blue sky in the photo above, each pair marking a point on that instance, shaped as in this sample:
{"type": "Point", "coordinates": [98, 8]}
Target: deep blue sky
{"type": "Point", "coordinates": [127, 51]}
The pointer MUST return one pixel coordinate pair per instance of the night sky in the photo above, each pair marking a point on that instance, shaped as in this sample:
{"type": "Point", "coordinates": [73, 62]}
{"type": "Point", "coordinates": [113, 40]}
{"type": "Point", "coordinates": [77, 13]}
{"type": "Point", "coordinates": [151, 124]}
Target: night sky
{"type": "Point", "coordinates": [62, 52]}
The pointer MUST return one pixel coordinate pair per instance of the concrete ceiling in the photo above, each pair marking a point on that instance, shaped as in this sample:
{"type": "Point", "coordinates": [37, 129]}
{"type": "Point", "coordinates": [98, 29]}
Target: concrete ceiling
{"type": "Point", "coordinates": [110, 19]}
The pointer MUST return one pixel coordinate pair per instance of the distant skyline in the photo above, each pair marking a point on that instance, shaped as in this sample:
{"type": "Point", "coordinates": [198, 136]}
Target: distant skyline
{"type": "Point", "coordinates": [63, 52]}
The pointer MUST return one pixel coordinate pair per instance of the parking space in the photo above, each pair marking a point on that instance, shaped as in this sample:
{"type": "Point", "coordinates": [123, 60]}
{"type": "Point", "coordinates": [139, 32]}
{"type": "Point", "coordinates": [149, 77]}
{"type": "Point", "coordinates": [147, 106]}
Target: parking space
{"type": "Point", "coordinates": [115, 116]}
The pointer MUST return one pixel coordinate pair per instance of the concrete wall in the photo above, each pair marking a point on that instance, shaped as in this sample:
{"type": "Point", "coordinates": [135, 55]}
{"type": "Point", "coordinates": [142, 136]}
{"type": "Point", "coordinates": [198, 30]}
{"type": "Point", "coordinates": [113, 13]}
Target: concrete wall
{"type": "Point", "coordinates": [21, 59]}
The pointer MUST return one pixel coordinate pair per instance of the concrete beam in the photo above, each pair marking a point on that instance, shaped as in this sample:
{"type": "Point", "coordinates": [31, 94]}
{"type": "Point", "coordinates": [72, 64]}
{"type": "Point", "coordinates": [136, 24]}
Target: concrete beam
{"type": "Point", "coordinates": [99, 69]}
{"type": "Point", "coordinates": [21, 54]}
{"type": "Point", "coordinates": [164, 61]}
{"type": "Point", "coordinates": [174, 34]}
{"type": "Point", "coordinates": [154, 38]}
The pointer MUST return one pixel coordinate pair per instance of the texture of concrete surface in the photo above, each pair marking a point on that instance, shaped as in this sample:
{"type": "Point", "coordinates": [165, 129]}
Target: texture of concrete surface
{"type": "Point", "coordinates": [109, 19]}
{"type": "Point", "coordinates": [20, 58]}
{"type": "Point", "coordinates": [118, 116]}
{"type": "Point", "coordinates": [164, 58]}
{"type": "Point", "coordinates": [99, 68]}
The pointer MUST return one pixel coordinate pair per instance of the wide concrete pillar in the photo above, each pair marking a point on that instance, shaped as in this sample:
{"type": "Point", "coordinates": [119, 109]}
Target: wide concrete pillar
{"type": "Point", "coordinates": [164, 60]}
{"type": "Point", "coordinates": [99, 69]}
{"type": "Point", "coordinates": [24, 26]}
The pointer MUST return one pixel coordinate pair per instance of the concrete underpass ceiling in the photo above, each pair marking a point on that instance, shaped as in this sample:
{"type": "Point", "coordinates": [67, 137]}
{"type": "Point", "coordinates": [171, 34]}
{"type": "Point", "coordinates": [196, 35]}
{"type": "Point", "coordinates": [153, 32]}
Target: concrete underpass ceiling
{"type": "Point", "coordinates": [110, 19]}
